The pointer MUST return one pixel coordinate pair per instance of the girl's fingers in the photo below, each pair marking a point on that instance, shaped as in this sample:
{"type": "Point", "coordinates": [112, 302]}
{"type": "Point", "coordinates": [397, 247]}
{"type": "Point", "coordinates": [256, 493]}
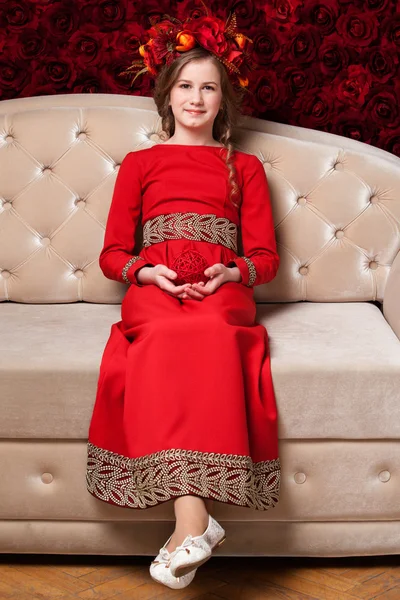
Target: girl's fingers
{"type": "Point", "coordinates": [192, 293]}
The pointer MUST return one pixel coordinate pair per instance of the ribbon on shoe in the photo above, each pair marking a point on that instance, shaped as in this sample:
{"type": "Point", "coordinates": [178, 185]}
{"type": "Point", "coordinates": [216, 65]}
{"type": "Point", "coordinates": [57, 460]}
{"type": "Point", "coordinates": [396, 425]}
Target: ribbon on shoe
{"type": "Point", "coordinates": [160, 571]}
{"type": "Point", "coordinates": [194, 551]}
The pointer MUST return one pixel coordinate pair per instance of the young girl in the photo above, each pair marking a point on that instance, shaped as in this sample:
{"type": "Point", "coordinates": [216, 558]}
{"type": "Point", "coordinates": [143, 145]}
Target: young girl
{"type": "Point", "coordinates": [185, 407]}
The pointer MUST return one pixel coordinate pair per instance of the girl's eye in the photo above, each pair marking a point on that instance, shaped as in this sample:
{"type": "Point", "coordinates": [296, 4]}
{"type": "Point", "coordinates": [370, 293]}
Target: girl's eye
{"type": "Point", "coordinates": [207, 86]}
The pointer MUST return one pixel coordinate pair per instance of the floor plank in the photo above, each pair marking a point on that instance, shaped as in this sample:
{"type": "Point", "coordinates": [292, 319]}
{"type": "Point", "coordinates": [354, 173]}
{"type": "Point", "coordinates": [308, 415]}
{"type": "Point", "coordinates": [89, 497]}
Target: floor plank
{"type": "Point", "coordinates": [66, 577]}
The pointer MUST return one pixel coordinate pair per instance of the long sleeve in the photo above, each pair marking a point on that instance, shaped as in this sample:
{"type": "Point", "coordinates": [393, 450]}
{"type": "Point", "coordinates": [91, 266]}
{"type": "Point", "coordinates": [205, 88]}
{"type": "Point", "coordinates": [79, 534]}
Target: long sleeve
{"type": "Point", "coordinates": [116, 259]}
{"type": "Point", "coordinates": [260, 261]}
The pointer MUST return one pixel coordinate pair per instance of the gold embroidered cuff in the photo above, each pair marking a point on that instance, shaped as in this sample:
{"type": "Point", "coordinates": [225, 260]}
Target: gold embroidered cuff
{"type": "Point", "coordinates": [252, 271]}
{"type": "Point", "coordinates": [130, 262]}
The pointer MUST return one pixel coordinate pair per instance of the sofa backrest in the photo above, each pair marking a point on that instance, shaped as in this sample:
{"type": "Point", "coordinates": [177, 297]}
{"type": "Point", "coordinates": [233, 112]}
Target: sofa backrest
{"type": "Point", "coordinates": [336, 202]}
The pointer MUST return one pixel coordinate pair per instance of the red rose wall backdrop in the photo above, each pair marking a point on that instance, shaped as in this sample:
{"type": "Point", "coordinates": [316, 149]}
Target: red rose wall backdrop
{"type": "Point", "coordinates": [330, 65]}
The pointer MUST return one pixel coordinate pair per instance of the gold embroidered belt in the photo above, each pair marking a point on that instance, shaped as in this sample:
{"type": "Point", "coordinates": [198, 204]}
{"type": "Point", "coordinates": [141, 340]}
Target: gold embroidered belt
{"type": "Point", "coordinates": [191, 226]}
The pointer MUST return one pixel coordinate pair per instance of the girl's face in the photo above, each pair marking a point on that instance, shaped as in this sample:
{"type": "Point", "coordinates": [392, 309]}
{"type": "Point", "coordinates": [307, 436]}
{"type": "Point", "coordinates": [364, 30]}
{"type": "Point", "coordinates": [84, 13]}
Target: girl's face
{"type": "Point", "coordinates": [196, 96]}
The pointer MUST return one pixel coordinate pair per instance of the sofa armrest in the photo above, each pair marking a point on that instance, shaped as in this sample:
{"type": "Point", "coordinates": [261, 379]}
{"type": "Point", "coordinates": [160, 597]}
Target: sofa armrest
{"type": "Point", "coordinates": [391, 297]}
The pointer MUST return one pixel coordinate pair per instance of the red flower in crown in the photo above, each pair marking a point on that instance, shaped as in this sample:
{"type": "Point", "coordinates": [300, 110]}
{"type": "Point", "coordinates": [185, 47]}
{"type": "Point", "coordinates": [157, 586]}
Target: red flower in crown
{"type": "Point", "coordinates": [209, 33]}
{"type": "Point", "coordinates": [170, 37]}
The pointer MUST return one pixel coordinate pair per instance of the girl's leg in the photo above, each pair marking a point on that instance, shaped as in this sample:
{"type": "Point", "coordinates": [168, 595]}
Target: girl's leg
{"type": "Point", "coordinates": [191, 514]}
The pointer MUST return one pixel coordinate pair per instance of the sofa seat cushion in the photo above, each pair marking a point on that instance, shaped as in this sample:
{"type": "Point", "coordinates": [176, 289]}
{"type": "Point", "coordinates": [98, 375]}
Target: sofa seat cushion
{"type": "Point", "coordinates": [335, 368]}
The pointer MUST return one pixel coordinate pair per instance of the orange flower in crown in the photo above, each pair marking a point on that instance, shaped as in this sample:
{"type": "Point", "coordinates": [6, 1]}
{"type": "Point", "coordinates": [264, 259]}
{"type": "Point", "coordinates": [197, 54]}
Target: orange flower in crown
{"type": "Point", "coordinates": [171, 37]}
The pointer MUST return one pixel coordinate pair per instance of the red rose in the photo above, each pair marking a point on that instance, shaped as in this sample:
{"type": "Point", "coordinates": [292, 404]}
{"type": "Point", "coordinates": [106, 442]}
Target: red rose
{"type": "Point", "coordinates": [147, 12]}
{"type": "Point", "coordinates": [352, 124]}
{"type": "Point", "coordinates": [332, 55]}
{"type": "Point", "coordinates": [13, 75]}
{"type": "Point", "coordinates": [321, 14]}
{"type": "Point", "coordinates": [60, 20]}
{"type": "Point", "coordinates": [268, 44]}
{"type": "Point", "coordinates": [58, 71]}
{"type": "Point", "coordinates": [193, 9]}
{"type": "Point", "coordinates": [125, 42]}
{"type": "Point", "coordinates": [383, 107]}
{"type": "Point", "coordinates": [357, 28]}
{"type": "Point", "coordinates": [283, 11]}
{"type": "Point", "coordinates": [31, 44]}
{"type": "Point", "coordinates": [268, 92]}
{"type": "Point", "coordinates": [303, 46]}
{"type": "Point", "coordinates": [86, 47]}
{"type": "Point", "coordinates": [209, 33]}
{"type": "Point", "coordinates": [390, 141]}
{"type": "Point", "coordinates": [383, 62]}
{"type": "Point", "coordinates": [377, 5]}
{"type": "Point", "coordinates": [106, 15]}
{"type": "Point", "coordinates": [90, 81]}
{"type": "Point", "coordinates": [391, 28]}
{"type": "Point", "coordinates": [315, 108]}
{"type": "Point", "coordinates": [353, 85]}
{"type": "Point", "coordinates": [247, 13]}
{"type": "Point", "coordinates": [298, 80]}
{"type": "Point", "coordinates": [16, 14]}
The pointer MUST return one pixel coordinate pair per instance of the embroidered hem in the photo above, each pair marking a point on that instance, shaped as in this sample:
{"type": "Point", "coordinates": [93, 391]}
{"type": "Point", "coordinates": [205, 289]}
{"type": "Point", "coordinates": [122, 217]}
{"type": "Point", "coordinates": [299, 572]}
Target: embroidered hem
{"type": "Point", "coordinates": [149, 480]}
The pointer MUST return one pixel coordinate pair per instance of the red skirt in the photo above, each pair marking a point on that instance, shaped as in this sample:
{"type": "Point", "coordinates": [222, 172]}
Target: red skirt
{"type": "Point", "coordinates": [185, 403]}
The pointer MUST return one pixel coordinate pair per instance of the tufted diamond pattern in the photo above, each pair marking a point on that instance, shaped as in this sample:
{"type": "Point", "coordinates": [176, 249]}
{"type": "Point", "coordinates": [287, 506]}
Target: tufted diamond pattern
{"type": "Point", "coordinates": [336, 208]}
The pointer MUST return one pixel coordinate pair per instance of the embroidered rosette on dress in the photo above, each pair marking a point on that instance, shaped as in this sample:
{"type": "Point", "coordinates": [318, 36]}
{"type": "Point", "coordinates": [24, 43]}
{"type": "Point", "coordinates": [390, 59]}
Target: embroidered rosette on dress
{"type": "Point", "coordinates": [191, 226]}
{"type": "Point", "coordinates": [149, 480]}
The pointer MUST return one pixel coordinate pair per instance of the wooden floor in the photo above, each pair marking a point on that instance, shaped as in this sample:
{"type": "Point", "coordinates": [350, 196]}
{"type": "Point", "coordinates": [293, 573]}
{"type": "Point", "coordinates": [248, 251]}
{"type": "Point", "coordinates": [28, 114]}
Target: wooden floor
{"type": "Point", "coordinates": [66, 577]}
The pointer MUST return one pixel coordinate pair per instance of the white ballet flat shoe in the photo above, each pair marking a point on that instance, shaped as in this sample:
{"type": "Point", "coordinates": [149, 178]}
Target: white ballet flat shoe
{"type": "Point", "coordinates": [195, 551]}
{"type": "Point", "coordinates": [160, 571]}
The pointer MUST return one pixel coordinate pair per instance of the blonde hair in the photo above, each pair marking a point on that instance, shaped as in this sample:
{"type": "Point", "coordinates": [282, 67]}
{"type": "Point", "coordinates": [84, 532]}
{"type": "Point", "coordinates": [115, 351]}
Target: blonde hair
{"type": "Point", "coordinates": [225, 119]}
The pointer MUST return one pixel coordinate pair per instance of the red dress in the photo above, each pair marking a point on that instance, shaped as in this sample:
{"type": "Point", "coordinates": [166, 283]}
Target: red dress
{"type": "Point", "coordinates": [185, 400]}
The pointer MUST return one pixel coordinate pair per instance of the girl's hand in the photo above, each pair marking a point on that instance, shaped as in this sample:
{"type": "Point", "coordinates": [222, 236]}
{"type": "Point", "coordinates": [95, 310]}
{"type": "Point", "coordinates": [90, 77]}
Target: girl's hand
{"type": "Point", "coordinates": [218, 275]}
{"type": "Point", "coordinates": [161, 276]}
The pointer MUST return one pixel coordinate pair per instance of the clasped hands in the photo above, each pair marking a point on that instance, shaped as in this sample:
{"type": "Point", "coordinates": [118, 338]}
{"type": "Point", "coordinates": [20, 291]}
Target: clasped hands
{"type": "Point", "coordinates": [162, 276]}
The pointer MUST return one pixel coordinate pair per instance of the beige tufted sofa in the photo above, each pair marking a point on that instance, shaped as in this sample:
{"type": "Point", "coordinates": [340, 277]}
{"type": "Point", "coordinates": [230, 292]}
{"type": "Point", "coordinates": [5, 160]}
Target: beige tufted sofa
{"type": "Point", "coordinates": [332, 314]}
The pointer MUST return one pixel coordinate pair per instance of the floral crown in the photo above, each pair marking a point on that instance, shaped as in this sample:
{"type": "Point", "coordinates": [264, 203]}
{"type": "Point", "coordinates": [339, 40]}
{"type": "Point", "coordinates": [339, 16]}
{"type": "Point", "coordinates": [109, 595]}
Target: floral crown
{"type": "Point", "coordinates": [171, 37]}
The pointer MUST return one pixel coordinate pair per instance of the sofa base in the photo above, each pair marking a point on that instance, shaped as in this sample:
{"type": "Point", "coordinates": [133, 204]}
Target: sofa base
{"type": "Point", "coordinates": [244, 538]}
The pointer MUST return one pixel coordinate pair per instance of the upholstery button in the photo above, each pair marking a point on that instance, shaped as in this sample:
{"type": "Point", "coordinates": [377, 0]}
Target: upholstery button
{"type": "Point", "coordinates": [303, 270]}
{"type": "Point", "coordinates": [5, 274]}
{"type": "Point", "coordinates": [339, 233]}
{"type": "Point", "coordinates": [373, 265]}
{"type": "Point", "coordinates": [46, 170]}
{"type": "Point", "coordinates": [82, 135]}
{"type": "Point", "coordinates": [78, 273]}
{"type": "Point", "coordinates": [338, 166]}
{"type": "Point", "coordinates": [7, 205]}
{"type": "Point", "coordinates": [300, 477]}
{"type": "Point", "coordinates": [384, 476]}
{"type": "Point", "coordinates": [267, 166]}
{"type": "Point", "coordinates": [80, 202]}
{"type": "Point", "coordinates": [374, 199]}
{"type": "Point", "coordinates": [116, 167]}
{"type": "Point", "coordinates": [47, 477]}
{"type": "Point", "coordinates": [154, 137]}
{"type": "Point", "coordinates": [302, 201]}
{"type": "Point", "coordinates": [45, 241]}
{"type": "Point", "coordinates": [9, 138]}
